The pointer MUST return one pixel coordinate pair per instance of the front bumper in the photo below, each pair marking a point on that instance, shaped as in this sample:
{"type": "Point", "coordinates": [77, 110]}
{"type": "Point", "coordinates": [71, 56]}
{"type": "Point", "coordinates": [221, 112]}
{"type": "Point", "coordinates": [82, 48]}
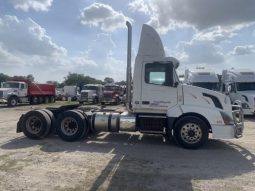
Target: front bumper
{"type": "Point", "coordinates": [238, 117]}
{"type": "Point", "coordinates": [86, 100]}
{"type": "Point", "coordinates": [3, 100]}
{"type": "Point", "coordinates": [109, 100]}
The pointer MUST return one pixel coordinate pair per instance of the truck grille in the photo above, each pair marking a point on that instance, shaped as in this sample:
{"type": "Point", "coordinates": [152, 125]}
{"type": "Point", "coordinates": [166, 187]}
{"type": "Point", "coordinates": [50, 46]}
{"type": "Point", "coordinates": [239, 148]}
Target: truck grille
{"type": "Point", "coordinates": [84, 95]}
{"type": "Point", "coordinates": [1, 94]}
{"type": "Point", "coordinates": [107, 96]}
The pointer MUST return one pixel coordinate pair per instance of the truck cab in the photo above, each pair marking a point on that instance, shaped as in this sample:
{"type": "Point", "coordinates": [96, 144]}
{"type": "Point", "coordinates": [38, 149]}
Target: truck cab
{"type": "Point", "coordinates": [112, 93]}
{"type": "Point", "coordinates": [203, 78]}
{"type": "Point", "coordinates": [242, 88]}
{"type": "Point", "coordinates": [13, 92]}
{"type": "Point", "coordinates": [91, 93]}
{"type": "Point", "coordinates": [162, 104]}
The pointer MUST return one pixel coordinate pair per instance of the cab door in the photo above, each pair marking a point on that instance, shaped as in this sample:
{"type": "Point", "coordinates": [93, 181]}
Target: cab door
{"type": "Point", "coordinates": [158, 87]}
{"type": "Point", "coordinates": [22, 90]}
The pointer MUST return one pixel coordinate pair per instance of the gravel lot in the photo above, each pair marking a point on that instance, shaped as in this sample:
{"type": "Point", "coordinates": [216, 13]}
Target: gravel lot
{"type": "Point", "coordinates": [122, 161]}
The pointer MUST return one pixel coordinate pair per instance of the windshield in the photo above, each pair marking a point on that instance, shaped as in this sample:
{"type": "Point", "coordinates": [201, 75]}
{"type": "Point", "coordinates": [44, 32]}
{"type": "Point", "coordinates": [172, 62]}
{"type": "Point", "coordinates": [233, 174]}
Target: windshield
{"type": "Point", "coordinates": [244, 86]}
{"type": "Point", "coordinates": [211, 86]}
{"type": "Point", "coordinates": [10, 85]}
{"type": "Point", "coordinates": [89, 88]}
{"type": "Point", "coordinates": [111, 88]}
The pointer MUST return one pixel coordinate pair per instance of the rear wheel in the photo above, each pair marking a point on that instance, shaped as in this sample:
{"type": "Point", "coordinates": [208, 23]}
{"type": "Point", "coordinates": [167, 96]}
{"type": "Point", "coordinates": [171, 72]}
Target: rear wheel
{"type": "Point", "coordinates": [46, 99]}
{"type": "Point", "coordinates": [12, 101]}
{"type": "Point", "coordinates": [34, 100]}
{"type": "Point", "coordinates": [71, 125]}
{"type": "Point", "coordinates": [36, 124]}
{"type": "Point", "coordinates": [191, 132]}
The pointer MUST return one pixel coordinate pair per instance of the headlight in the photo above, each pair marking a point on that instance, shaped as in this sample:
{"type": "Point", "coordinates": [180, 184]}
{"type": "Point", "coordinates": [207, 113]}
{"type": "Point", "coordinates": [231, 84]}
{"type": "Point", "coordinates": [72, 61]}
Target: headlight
{"type": "Point", "coordinates": [245, 106]}
{"type": "Point", "coordinates": [226, 118]}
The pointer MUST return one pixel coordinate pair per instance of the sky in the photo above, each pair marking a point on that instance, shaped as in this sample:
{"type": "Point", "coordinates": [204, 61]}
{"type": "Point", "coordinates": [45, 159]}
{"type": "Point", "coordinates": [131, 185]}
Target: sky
{"type": "Point", "coordinates": [49, 38]}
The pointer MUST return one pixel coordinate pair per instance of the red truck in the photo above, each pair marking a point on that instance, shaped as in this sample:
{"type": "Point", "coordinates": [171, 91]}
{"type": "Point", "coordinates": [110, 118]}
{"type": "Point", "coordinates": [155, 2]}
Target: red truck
{"type": "Point", "coordinates": [14, 92]}
{"type": "Point", "coordinates": [112, 93]}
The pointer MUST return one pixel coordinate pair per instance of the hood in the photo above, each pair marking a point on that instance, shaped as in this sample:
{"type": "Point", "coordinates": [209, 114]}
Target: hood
{"type": "Point", "coordinates": [109, 92]}
{"type": "Point", "coordinates": [248, 93]}
{"type": "Point", "coordinates": [202, 97]}
{"type": "Point", "coordinates": [5, 89]}
{"type": "Point", "coordinates": [89, 91]}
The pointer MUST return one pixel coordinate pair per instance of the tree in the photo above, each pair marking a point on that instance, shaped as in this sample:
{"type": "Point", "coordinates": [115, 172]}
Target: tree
{"type": "Point", "coordinates": [30, 77]}
{"type": "Point", "coordinates": [54, 83]}
{"type": "Point", "coordinates": [80, 80]}
{"type": "Point", "coordinates": [108, 80]}
{"type": "Point", "coordinates": [4, 77]}
{"type": "Point", "coordinates": [121, 83]}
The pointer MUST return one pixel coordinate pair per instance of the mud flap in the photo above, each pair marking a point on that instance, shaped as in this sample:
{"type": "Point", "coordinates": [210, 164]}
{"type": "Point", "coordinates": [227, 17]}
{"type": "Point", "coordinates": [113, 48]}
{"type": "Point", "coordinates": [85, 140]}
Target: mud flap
{"type": "Point", "coordinates": [19, 127]}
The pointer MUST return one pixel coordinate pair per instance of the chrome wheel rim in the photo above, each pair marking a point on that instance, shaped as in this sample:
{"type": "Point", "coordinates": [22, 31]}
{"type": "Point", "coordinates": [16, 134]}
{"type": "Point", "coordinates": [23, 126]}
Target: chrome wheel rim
{"type": "Point", "coordinates": [33, 124]}
{"type": "Point", "coordinates": [13, 102]}
{"type": "Point", "coordinates": [191, 133]}
{"type": "Point", "coordinates": [69, 126]}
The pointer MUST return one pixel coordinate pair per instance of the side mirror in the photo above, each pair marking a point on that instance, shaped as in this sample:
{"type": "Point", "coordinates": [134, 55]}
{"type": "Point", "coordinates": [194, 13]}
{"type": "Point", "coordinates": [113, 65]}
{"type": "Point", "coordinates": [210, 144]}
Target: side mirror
{"type": "Point", "coordinates": [176, 84]}
{"type": "Point", "coordinates": [228, 89]}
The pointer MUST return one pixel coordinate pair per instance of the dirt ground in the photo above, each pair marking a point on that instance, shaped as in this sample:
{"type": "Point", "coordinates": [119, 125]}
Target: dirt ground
{"type": "Point", "coordinates": [122, 162]}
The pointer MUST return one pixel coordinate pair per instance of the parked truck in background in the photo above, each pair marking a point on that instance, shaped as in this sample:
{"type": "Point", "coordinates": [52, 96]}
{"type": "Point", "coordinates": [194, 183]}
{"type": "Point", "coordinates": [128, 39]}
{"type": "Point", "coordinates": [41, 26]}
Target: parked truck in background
{"type": "Point", "coordinates": [242, 83]}
{"type": "Point", "coordinates": [14, 92]}
{"type": "Point", "coordinates": [202, 77]}
{"type": "Point", "coordinates": [71, 92]}
{"type": "Point", "coordinates": [91, 93]}
{"type": "Point", "coordinates": [112, 94]}
{"type": "Point", "coordinates": [159, 104]}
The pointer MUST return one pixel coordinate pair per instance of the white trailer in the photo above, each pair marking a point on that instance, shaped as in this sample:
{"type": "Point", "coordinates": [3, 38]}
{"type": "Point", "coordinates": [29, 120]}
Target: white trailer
{"type": "Point", "coordinates": [202, 77]}
{"type": "Point", "coordinates": [242, 85]}
{"type": "Point", "coordinates": [71, 92]}
{"type": "Point", "coordinates": [159, 104]}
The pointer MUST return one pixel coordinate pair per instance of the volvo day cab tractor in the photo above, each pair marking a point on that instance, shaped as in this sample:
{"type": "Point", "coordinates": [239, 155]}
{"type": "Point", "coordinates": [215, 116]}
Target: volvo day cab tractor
{"type": "Point", "coordinates": [242, 85]}
{"type": "Point", "coordinates": [159, 104]}
{"type": "Point", "coordinates": [14, 92]}
{"type": "Point", "coordinates": [202, 77]}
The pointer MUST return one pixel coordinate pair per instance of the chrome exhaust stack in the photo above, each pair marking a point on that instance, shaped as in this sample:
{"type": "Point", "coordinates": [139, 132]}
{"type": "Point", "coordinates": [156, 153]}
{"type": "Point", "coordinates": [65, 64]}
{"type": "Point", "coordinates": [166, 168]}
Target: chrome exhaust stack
{"type": "Point", "coordinates": [129, 70]}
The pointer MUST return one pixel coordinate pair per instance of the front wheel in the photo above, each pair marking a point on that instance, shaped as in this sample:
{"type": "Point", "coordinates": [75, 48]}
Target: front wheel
{"type": "Point", "coordinates": [12, 101]}
{"type": "Point", "coordinates": [191, 132]}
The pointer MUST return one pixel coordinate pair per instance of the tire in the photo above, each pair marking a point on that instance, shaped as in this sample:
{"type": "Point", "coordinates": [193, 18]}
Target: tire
{"type": "Point", "coordinates": [12, 101]}
{"type": "Point", "coordinates": [34, 100]}
{"type": "Point", "coordinates": [53, 121]}
{"type": "Point", "coordinates": [87, 127]}
{"type": "Point", "coordinates": [46, 99]}
{"type": "Point", "coordinates": [36, 124]}
{"type": "Point", "coordinates": [191, 132]}
{"type": "Point", "coordinates": [52, 99]}
{"type": "Point", "coordinates": [71, 125]}
{"type": "Point", "coordinates": [102, 103]}
{"type": "Point", "coordinates": [40, 100]}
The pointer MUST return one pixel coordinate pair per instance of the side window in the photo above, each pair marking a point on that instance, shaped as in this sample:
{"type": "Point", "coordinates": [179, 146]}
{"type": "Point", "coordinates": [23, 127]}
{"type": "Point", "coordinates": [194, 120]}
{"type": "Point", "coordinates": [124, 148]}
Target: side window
{"type": "Point", "coordinates": [159, 74]}
{"type": "Point", "coordinates": [22, 86]}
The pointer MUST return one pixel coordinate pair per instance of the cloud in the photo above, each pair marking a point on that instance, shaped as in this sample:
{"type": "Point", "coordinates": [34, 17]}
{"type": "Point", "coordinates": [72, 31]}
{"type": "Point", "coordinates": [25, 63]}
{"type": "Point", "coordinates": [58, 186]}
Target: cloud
{"type": "Point", "coordinates": [7, 59]}
{"type": "Point", "coordinates": [103, 16]}
{"type": "Point", "coordinates": [243, 50]}
{"type": "Point", "coordinates": [200, 52]}
{"type": "Point", "coordinates": [140, 6]}
{"type": "Point", "coordinates": [37, 5]}
{"type": "Point", "coordinates": [27, 37]}
{"type": "Point", "coordinates": [166, 15]}
{"type": "Point", "coordinates": [26, 48]}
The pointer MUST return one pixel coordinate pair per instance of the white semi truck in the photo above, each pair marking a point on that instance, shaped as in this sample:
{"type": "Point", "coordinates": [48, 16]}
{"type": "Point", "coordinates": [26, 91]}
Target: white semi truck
{"type": "Point", "coordinates": [202, 77]}
{"type": "Point", "coordinates": [242, 83]}
{"type": "Point", "coordinates": [159, 104]}
{"type": "Point", "coordinates": [91, 93]}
